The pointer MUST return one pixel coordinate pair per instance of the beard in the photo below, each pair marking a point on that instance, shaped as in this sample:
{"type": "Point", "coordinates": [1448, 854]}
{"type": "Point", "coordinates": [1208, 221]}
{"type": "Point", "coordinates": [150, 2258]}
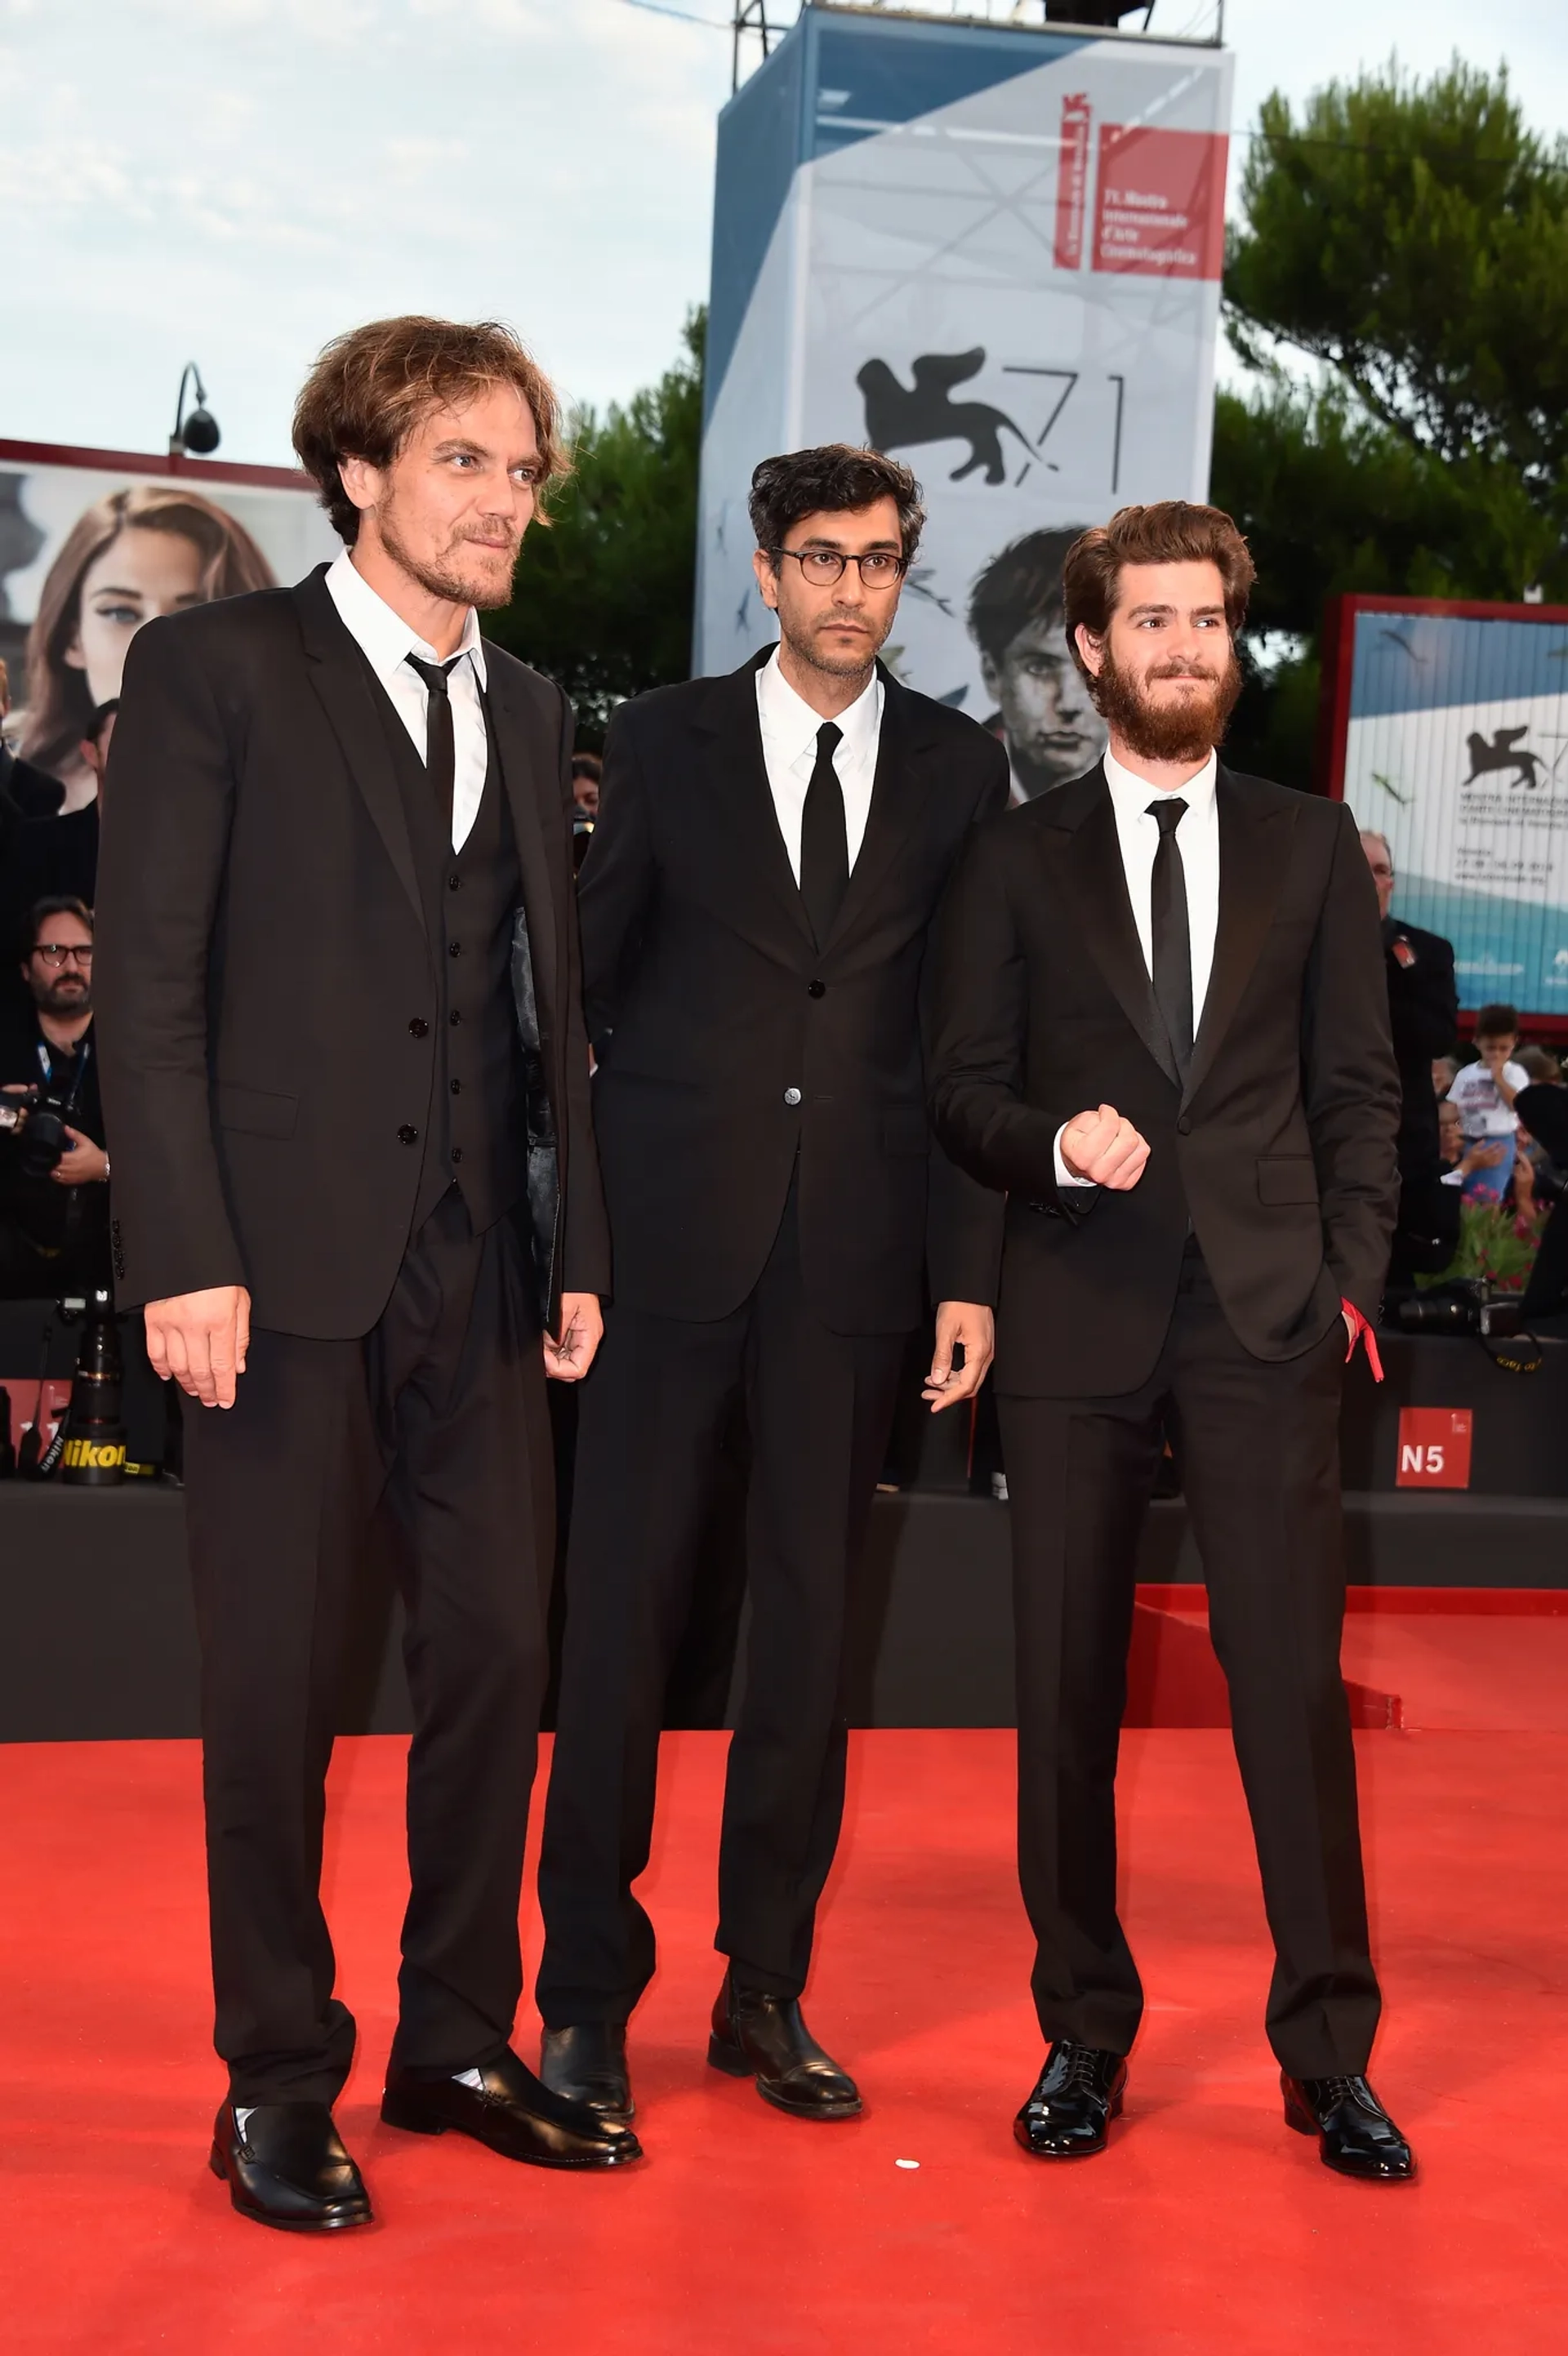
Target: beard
{"type": "Point", "coordinates": [1187, 731]}
{"type": "Point", "coordinates": [65, 995]}
{"type": "Point", "coordinates": [485, 580]}
{"type": "Point", "coordinates": [807, 644]}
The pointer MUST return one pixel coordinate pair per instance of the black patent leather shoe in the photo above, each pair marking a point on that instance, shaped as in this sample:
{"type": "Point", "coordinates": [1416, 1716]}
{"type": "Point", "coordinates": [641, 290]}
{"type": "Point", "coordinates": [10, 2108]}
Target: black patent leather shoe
{"type": "Point", "coordinates": [586, 2063]}
{"type": "Point", "coordinates": [286, 2166]}
{"type": "Point", "coordinates": [1076, 2095]}
{"type": "Point", "coordinates": [503, 2104]}
{"type": "Point", "coordinates": [1354, 2133]}
{"type": "Point", "coordinates": [765, 2037]}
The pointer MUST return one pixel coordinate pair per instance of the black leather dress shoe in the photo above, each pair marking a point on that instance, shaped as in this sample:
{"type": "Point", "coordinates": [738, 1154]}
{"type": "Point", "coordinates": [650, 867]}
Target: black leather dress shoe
{"type": "Point", "coordinates": [286, 2166]}
{"type": "Point", "coordinates": [587, 2065]}
{"type": "Point", "coordinates": [1077, 2094]}
{"type": "Point", "coordinates": [1354, 2133]}
{"type": "Point", "coordinates": [504, 2106]}
{"type": "Point", "coordinates": [764, 2037]}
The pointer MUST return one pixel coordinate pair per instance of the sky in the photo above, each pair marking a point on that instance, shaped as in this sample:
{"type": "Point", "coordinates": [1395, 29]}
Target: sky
{"type": "Point", "coordinates": [234, 181]}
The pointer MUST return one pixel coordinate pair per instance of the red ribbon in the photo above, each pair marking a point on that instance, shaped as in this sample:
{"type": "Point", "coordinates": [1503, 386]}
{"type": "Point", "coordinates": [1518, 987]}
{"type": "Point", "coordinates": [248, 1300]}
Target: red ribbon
{"type": "Point", "coordinates": [1361, 1332]}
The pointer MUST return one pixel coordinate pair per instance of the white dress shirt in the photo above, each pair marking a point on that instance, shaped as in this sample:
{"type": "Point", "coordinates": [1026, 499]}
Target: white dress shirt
{"type": "Point", "coordinates": [790, 753]}
{"type": "Point", "coordinates": [1198, 839]}
{"type": "Point", "coordinates": [387, 642]}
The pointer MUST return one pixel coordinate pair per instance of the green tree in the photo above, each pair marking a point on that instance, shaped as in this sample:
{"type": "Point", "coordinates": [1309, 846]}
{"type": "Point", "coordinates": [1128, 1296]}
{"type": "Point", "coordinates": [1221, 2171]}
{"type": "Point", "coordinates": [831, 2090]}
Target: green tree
{"type": "Point", "coordinates": [1412, 241]}
{"type": "Point", "coordinates": [603, 596]}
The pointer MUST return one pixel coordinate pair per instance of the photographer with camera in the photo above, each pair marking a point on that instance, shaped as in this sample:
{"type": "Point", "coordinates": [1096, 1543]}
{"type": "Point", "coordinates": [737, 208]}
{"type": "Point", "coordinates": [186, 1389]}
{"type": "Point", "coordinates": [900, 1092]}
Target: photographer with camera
{"type": "Point", "coordinates": [54, 1194]}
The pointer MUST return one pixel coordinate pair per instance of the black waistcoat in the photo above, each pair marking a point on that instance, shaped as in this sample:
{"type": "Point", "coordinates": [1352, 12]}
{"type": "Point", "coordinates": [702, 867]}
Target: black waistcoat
{"type": "Point", "coordinates": [477, 1133]}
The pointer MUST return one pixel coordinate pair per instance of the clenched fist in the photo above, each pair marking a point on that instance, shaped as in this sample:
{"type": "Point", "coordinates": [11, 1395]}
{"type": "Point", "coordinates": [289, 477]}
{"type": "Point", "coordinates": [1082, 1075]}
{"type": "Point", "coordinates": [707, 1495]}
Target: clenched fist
{"type": "Point", "coordinates": [1105, 1148]}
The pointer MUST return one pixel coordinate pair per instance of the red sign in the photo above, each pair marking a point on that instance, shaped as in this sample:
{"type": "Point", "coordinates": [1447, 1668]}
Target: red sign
{"type": "Point", "coordinates": [1162, 202]}
{"type": "Point", "coordinates": [1435, 1448]}
{"type": "Point", "coordinates": [1072, 181]}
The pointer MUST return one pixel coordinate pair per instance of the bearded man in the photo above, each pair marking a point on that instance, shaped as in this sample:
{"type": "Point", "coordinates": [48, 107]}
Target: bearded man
{"type": "Point", "coordinates": [1161, 1028]}
{"type": "Point", "coordinates": [346, 1076]}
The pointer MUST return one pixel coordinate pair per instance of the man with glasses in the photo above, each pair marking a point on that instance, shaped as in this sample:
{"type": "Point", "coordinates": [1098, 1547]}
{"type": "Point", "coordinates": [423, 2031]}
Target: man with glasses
{"type": "Point", "coordinates": [769, 852]}
{"type": "Point", "coordinates": [54, 1227]}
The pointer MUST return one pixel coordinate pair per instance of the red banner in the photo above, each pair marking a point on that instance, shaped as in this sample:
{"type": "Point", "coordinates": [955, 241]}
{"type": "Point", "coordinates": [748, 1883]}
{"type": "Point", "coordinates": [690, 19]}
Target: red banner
{"type": "Point", "coordinates": [1161, 208]}
{"type": "Point", "coordinates": [1072, 181]}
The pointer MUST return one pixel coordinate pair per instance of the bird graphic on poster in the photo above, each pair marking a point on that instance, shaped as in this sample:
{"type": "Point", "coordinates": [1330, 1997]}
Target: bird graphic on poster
{"type": "Point", "coordinates": [1396, 638]}
{"type": "Point", "coordinates": [1389, 787]}
{"type": "Point", "coordinates": [898, 416]}
{"type": "Point", "coordinates": [1502, 752]}
{"type": "Point", "coordinates": [918, 583]}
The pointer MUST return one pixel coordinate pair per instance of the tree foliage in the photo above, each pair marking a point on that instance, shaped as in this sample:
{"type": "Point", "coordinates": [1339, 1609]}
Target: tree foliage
{"type": "Point", "coordinates": [603, 596]}
{"type": "Point", "coordinates": [1414, 239]}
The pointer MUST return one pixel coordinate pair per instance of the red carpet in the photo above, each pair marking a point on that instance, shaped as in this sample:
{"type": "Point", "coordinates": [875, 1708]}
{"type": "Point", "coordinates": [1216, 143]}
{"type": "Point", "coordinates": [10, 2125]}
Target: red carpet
{"type": "Point", "coordinates": [1207, 2227]}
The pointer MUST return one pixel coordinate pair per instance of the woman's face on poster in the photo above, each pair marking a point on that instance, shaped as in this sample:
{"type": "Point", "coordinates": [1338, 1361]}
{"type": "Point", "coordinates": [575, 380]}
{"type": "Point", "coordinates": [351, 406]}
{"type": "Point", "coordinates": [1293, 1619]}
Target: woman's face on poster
{"type": "Point", "coordinates": [141, 573]}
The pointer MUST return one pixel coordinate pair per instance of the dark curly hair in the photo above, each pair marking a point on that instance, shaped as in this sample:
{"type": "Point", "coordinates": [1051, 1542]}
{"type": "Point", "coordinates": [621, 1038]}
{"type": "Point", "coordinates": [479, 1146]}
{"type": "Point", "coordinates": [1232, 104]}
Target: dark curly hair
{"type": "Point", "coordinates": [371, 387]}
{"type": "Point", "coordinates": [831, 480]}
{"type": "Point", "coordinates": [1020, 586]}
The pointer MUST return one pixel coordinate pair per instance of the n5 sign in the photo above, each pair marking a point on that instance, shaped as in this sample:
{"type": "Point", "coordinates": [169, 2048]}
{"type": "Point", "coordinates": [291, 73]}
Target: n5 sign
{"type": "Point", "coordinates": [1435, 1448]}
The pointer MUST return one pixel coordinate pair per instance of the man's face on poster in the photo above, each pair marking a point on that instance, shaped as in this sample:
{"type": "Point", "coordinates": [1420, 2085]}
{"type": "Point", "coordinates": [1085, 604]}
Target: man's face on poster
{"type": "Point", "coordinates": [1052, 729]}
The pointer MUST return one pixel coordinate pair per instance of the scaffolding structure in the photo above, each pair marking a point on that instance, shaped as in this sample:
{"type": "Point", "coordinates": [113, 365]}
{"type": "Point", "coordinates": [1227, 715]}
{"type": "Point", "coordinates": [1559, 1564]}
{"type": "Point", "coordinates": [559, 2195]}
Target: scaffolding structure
{"type": "Point", "coordinates": [756, 25]}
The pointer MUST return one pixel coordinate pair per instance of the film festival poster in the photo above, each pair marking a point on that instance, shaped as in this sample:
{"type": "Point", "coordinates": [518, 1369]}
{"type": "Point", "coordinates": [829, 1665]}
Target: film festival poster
{"type": "Point", "coordinates": [91, 548]}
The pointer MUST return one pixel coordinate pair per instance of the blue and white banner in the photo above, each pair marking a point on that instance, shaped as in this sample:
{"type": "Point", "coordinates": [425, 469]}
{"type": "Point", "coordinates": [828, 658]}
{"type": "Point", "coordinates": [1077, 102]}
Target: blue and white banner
{"type": "Point", "coordinates": [991, 252]}
{"type": "Point", "coordinates": [1457, 750]}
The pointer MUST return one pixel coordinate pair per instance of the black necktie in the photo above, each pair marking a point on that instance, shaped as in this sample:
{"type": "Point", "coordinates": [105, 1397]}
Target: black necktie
{"type": "Point", "coordinates": [440, 744]}
{"type": "Point", "coordinates": [824, 843]}
{"type": "Point", "coordinates": [1171, 940]}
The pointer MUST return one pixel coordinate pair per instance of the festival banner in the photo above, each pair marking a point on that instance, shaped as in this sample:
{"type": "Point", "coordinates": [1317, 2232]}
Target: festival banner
{"type": "Point", "coordinates": [1449, 736]}
{"type": "Point", "coordinates": [995, 253]}
{"type": "Point", "coordinates": [93, 544]}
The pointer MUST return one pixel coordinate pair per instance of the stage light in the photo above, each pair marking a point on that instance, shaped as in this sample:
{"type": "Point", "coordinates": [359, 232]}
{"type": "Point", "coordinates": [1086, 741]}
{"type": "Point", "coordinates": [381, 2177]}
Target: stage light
{"type": "Point", "coordinates": [196, 436]}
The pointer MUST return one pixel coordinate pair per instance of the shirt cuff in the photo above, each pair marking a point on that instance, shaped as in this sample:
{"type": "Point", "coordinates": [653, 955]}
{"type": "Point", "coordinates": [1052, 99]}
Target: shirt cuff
{"type": "Point", "coordinates": [1065, 1177]}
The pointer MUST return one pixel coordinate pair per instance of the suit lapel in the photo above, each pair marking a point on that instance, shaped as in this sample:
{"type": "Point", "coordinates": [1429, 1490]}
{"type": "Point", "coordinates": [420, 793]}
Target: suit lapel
{"type": "Point", "coordinates": [1254, 840]}
{"type": "Point", "coordinates": [1100, 897]}
{"type": "Point", "coordinates": [521, 757]}
{"type": "Point", "coordinates": [741, 802]}
{"type": "Point", "coordinates": [342, 683]}
{"type": "Point", "coordinates": [897, 796]}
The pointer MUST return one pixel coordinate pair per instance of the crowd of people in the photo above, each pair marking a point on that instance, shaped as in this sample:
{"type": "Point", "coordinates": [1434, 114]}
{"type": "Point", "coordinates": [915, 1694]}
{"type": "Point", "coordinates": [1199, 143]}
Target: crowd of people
{"type": "Point", "coordinates": [1483, 1137]}
{"type": "Point", "coordinates": [820, 1042]}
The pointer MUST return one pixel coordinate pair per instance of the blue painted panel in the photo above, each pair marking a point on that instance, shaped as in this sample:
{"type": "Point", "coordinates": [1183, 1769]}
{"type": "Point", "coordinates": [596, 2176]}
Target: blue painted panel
{"type": "Point", "coordinates": [759, 147]}
{"type": "Point", "coordinates": [1425, 662]}
{"type": "Point", "coordinates": [830, 83]}
{"type": "Point", "coordinates": [868, 77]}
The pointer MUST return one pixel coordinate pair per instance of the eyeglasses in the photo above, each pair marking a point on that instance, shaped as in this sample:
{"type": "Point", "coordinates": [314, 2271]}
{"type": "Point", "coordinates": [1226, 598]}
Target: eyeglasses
{"type": "Point", "coordinates": [55, 953]}
{"type": "Point", "coordinates": [822, 566]}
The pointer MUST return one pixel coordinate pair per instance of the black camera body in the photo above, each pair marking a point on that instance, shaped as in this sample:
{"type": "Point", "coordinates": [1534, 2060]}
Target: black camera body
{"type": "Point", "coordinates": [41, 1138]}
{"type": "Point", "coordinates": [1464, 1305]}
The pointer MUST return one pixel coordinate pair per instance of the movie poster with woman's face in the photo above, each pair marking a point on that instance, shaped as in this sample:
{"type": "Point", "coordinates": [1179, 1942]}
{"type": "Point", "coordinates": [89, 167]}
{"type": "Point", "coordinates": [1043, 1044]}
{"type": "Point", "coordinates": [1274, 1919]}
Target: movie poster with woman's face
{"type": "Point", "coordinates": [89, 555]}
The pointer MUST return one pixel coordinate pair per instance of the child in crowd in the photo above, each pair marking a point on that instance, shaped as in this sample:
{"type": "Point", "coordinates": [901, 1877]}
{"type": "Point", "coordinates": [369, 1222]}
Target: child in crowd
{"type": "Point", "coordinates": [1484, 1093]}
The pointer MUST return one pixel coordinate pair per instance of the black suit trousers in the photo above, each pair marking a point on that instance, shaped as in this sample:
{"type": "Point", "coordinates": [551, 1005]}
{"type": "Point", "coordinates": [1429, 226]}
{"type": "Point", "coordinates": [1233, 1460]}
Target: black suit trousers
{"type": "Point", "coordinates": [1259, 1450]}
{"type": "Point", "coordinates": [440, 1412]}
{"type": "Point", "coordinates": [819, 1407]}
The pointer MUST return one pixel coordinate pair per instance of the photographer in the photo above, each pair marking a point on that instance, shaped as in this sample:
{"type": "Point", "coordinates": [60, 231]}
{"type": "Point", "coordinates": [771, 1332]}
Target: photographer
{"type": "Point", "coordinates": [1423, 1018]}
{"type": "Point", "coordinates": [54, 1194]}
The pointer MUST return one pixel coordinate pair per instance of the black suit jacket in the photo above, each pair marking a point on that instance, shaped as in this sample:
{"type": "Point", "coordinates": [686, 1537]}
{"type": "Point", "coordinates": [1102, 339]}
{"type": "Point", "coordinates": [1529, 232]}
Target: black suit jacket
{"type": "Point", "coordinates": [265, 984]}
{"type": "Point", "coordinates": [709, 1001]}
{"type": "Point", "coordinates": [1280, 1147]}
{"type": "Point", "coordinates": [1423, 1014]}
